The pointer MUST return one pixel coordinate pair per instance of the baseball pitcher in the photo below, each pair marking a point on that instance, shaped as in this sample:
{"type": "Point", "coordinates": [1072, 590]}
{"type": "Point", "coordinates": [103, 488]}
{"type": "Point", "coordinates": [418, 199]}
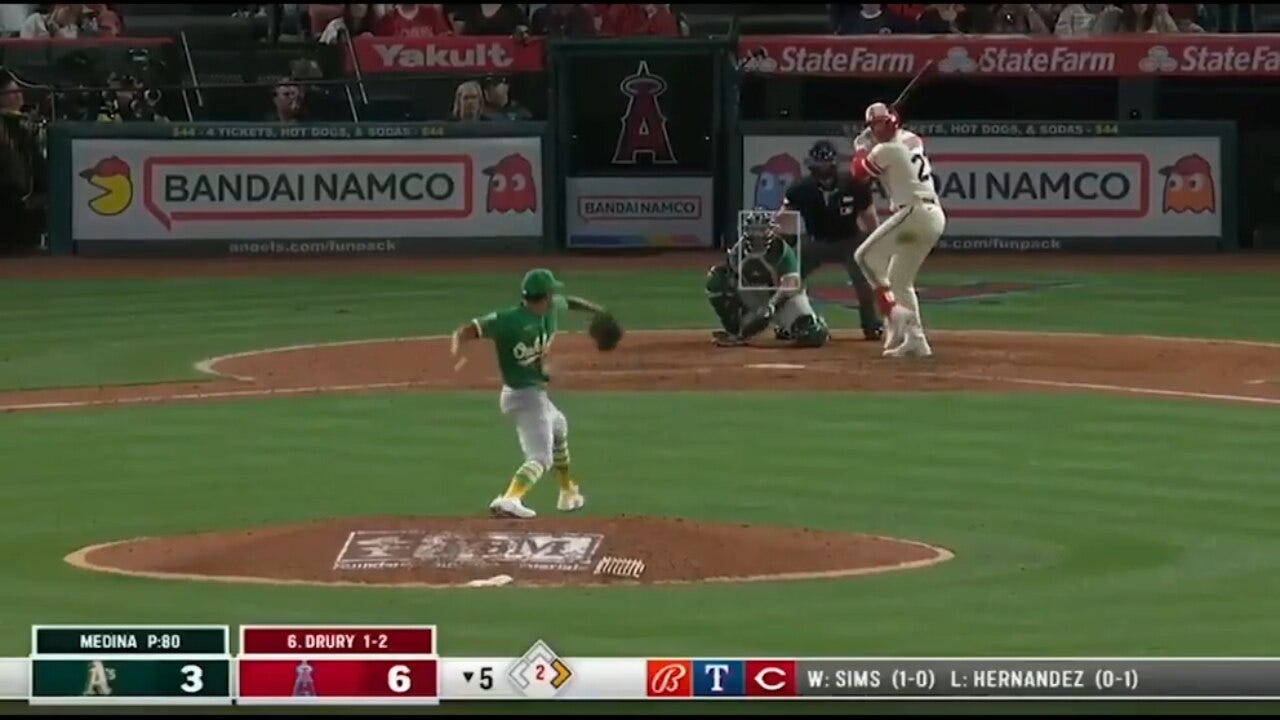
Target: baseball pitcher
{"type": "Point", "coordinates": [759, 285]}
{"type": "Point", "coordinates": [522, 337]}
{"type": "Point", "coordinates": [892, 254]}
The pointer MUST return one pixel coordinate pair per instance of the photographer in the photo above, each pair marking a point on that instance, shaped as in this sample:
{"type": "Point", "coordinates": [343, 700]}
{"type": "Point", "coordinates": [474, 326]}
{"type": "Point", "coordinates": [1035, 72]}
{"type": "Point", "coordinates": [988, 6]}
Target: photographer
{"type": "Point", "coordinates": [22, 165]}
{"type": "Point", "coordinates": [134, 101]}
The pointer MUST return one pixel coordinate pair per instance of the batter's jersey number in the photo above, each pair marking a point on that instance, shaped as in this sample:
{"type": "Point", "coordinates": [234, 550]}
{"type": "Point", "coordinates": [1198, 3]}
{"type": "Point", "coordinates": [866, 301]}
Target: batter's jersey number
{"type": "Point", "coordinates": [924, 173]}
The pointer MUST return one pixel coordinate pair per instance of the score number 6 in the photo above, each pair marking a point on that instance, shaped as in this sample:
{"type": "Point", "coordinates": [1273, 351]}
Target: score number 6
{"type": "Point", "coordinates": [399, 679]}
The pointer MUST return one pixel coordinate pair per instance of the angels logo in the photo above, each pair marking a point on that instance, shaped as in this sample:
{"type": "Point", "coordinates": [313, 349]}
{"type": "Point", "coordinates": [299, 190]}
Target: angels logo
{"type": "Point", "coordinates": [644, 127]}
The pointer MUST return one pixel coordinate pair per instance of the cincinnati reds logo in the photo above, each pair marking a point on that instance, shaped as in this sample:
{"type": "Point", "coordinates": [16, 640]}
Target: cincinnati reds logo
{"type": "Point", "coordinates": [644, 127]}
{"type": "Point", "coordinates": [761, 678]}
{"type": "Point", "coordinates": [667, 679]}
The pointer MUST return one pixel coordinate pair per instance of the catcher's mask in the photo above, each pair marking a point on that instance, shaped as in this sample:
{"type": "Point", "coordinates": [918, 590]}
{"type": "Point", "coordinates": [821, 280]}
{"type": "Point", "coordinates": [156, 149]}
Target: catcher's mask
{"type": "Point", "coordinates": [761, 238]}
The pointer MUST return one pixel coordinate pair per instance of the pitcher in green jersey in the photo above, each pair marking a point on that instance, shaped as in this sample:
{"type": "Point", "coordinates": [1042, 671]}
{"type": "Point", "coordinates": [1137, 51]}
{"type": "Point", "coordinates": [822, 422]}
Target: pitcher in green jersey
{"type": "Point", "coordinates": [522, 336]}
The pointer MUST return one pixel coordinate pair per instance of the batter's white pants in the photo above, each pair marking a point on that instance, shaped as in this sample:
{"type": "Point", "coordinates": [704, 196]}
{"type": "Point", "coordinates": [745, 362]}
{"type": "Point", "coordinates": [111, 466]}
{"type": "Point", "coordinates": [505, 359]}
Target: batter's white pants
{"type": "Point", "coordinates": [893, 253]}
{"type": "Point", "coordinates": [539, 423]}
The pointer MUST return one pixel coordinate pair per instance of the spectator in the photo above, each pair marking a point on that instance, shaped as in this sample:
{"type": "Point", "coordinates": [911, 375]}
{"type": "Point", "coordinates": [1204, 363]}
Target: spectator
{"type": "Point", "coordinates": [491, 19]}
{"type": "Point", "coordinates": [357, 19]}
{"type": "Point", "coordinates": [101, 20]}
{"type": "Point", "coordinates": [1078, 20]}
{"type": "Point", "coordinates": [287, 103]}
{"type": "Point", "coordinates": [871, 19]}
{"type": "Point", "coordinates": [468, 102]}
{"type": "Point", "coordinates": [11, 97]}
{"type": "Point", "coordinates": [1185, 17]}
{"type": "Point", "coordinates": [498, 104]}
{"type": "Point", "coordinates": [319, 16]}
{"type": "Point", "coordinates": [635, 19]}
{"type": "Point", "coordinates": [563, 20]}
{"type": "Point", "coordinates": [12, 16]}
{"type": "Point", "coordinates": [939, 19]}
{"type": "Point", "coordinates": [1021, 19]}
{"type": "Point", "coordinates": [62, 21]}
{"type": "Point", "coordinates": [1146, 18]}
{"type": "Point", "coordinates": [20, 167]}
{"type": "Point", "coordinates": [909, 14]}
{"type": "Point", "coordinates": [413, 21]}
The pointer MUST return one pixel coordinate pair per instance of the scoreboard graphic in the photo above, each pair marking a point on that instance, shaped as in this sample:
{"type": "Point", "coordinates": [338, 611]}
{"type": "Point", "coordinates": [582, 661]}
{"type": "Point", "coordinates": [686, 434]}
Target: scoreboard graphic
{"type": "Point", "coordinates": [398, 665]}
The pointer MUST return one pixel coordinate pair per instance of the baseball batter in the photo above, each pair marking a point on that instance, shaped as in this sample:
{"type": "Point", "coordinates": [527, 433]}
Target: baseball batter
{"type": "Point", "coordinates": [892, 254]}
{"type": "Point", "coordinates": [522, 336]}
{"type": "Point", "coordinates": [759, 285]}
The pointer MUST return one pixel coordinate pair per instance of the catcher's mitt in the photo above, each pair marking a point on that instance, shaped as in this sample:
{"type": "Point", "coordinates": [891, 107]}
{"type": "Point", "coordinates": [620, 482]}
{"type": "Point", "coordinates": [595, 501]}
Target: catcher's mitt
{"type": "Point", "coordinates": [606, 331]}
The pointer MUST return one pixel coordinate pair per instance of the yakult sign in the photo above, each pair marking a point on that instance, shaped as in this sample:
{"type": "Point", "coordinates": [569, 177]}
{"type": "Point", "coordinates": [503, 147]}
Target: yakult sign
{"type": "Point", "coordinates": [212, 189]}
{"type": "Point", "coordinates": [446, 54]}
{"type": "Point", "coordinates": [1059, 187]}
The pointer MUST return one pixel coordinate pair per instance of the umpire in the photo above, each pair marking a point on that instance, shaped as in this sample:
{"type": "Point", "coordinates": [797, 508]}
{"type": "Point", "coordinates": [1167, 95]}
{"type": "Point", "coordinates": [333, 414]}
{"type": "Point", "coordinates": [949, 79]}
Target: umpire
{"type": "Point", "coordinates": [831, 203]}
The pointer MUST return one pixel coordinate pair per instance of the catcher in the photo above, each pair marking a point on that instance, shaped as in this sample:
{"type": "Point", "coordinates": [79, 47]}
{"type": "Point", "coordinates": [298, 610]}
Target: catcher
{"type": "Point", "coordinates": [759, 285]}
{"type": "Point", "coordinates": [522, 336]}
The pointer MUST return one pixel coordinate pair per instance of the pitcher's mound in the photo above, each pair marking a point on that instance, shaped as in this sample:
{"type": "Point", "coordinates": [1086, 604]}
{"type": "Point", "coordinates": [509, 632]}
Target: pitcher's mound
{"type": "Point", "coordinates": [449, 552]}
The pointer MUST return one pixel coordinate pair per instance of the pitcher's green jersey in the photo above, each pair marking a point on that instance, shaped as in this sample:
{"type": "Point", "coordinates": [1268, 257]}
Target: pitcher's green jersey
{"type": "Point", "coordinates": [522, 339]}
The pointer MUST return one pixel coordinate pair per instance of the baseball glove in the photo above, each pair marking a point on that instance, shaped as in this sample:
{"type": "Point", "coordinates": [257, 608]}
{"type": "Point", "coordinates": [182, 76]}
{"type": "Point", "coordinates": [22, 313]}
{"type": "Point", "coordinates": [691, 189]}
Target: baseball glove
{"type": "Point", "coordinates": [605, 331]}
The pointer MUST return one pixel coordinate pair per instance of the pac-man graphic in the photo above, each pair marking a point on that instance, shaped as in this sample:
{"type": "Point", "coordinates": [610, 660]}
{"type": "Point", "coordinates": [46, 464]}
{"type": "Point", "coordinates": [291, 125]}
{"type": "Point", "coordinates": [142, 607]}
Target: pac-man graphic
{"type": "Point", "coordinates": [1188, 186]}
{"type": "Point", "coordinates": [113, 177]}
{"type": "Point", "coordinates": [772, 180]}
{"type": "Point", "coordinates": [512, 187]}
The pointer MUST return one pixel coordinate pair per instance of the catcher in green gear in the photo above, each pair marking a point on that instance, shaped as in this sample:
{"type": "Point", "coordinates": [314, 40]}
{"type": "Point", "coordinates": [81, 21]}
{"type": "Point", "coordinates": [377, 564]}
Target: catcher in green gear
{"type": "Point", "coordinates": [758, 286]}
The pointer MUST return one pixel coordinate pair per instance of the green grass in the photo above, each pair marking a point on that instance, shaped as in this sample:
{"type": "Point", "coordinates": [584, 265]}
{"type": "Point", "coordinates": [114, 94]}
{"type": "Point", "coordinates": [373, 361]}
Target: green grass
{"type": "Point", "coordinates": [123, 331]}
{"type": "Point", "coordinates": [1081, 525]}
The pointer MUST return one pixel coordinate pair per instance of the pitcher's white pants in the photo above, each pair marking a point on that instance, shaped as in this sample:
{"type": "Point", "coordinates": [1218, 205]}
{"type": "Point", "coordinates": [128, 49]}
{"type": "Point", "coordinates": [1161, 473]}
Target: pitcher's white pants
{"type": "Point", "coordinates": [539, 423]}
{"type": "Point", "coordinates": [893, 253]}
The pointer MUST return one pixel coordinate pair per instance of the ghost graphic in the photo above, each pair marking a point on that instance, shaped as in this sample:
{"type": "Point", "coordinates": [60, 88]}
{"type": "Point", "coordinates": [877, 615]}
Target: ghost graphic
{"type": "Point", "coordinates": [772, 180]}
{"type": "Point", "coordinates": [511, 186]}
{"type": "Point", "coordinates": [1188, 186]}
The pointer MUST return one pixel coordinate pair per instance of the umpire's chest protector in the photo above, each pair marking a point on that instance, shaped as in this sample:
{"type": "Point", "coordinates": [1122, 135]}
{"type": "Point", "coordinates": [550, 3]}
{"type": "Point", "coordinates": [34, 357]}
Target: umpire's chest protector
{"type": "Point", "coordinates": [831, 214]}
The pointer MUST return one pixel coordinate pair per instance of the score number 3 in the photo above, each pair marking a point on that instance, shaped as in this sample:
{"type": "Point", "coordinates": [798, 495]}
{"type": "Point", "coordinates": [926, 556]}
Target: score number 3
{"type": "Point", "coordinates": [194, 679]}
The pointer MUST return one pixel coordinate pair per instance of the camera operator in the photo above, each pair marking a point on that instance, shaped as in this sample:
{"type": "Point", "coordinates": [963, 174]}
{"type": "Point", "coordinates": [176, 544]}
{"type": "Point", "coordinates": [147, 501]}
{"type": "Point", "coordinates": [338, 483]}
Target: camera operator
{"type": "Point", "coordinates": [130, 100]}
{"type": "Point", "coordinates": [22, 166]}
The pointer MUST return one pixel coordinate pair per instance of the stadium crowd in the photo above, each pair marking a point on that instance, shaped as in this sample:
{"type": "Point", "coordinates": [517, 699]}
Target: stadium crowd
{"type": "Point", "coordinates": [280, 74]}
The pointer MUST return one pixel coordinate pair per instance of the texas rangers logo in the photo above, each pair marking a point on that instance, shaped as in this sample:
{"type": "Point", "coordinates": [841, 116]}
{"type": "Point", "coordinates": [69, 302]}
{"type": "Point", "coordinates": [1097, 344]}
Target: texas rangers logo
{"type": "Point", "coordinates": [1188, 186]}
{"type": "Point", "coordinates": [644, 127]}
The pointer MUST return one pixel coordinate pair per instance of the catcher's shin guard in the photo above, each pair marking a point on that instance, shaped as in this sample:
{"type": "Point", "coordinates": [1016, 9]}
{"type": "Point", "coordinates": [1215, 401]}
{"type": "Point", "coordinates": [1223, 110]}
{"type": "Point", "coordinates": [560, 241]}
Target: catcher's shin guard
{"type": "Point", "coordinates": [809, 331]}
{"type": "Point", "coordinates": [723, 298]}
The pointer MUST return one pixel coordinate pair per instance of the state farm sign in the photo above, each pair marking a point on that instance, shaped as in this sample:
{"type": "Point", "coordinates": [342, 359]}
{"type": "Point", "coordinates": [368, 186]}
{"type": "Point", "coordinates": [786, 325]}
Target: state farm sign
{"type": "Point", "coordinates": [446, 55]}
{"type": "Point", "coordinates": [1013, 56]}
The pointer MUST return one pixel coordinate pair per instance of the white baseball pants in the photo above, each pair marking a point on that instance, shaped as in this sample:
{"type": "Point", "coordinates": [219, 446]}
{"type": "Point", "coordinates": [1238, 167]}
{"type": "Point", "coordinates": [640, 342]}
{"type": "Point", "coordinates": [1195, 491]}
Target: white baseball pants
{"type": "Point", "coordinates": [539, 423]}
{"type": "Point", "coordinates": [893, 253]}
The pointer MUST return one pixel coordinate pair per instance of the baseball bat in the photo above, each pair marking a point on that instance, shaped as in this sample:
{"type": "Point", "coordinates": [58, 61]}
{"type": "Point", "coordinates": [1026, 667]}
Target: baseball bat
{"type": "Point", "coordinates": [854, 131]}
{"type": "Point", "coordinates": [906, 91]}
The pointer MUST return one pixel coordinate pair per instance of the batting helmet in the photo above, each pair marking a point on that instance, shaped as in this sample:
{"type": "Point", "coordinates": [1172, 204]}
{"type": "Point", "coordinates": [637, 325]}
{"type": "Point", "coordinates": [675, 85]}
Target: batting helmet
{"type": "Point", "coordinates": [882, 120]}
